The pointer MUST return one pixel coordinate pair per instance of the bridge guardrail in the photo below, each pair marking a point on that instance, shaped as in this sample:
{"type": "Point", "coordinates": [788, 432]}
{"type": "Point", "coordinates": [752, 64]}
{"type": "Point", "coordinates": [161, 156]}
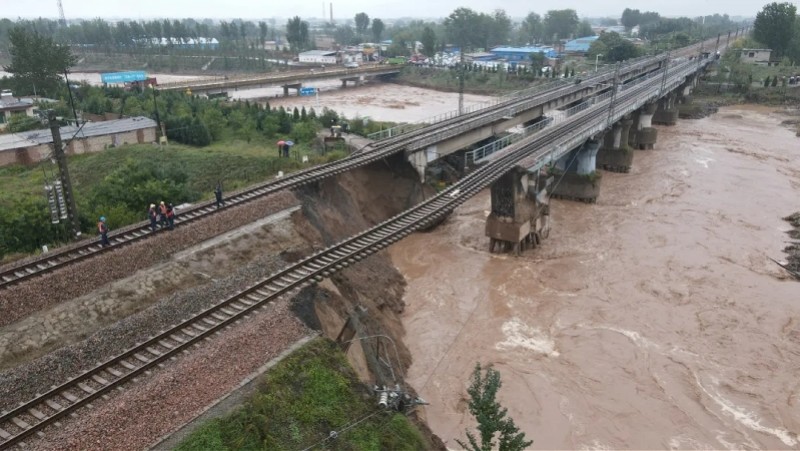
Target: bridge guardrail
{"type": "Point", "coordinates": [404, 128]}
{"type": "Point", "coordinates": [482, 153]}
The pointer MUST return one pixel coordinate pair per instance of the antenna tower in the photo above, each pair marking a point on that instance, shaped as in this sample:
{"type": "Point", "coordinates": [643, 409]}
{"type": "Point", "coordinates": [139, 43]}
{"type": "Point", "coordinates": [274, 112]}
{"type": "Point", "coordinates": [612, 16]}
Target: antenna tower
{"type": "Point", "coordinates": [61, 19]}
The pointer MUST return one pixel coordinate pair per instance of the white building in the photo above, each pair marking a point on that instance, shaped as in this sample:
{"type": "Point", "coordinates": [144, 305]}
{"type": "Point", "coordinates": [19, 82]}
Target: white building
{"type": "Point", "coordinates": [755, 56]}
{"type": "Point", "coordinates": [10, 105]}
{"type": "Point", "coordinates": [318, 56]}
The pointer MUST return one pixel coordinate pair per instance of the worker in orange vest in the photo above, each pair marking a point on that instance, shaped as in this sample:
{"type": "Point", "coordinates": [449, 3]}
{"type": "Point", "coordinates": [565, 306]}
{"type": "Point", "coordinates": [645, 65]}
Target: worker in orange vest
{"type": "Point", "coordinates": [162, 208]}
{"type": "Point", "coordinates": [102, 229]}
{"type": "Point", "coordinates": [171, 216]}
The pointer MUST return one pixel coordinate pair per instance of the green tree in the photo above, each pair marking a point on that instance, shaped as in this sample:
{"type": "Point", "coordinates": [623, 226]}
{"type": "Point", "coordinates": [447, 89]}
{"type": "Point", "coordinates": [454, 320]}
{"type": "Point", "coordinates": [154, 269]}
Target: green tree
{"type": "Point", "coordinates": [630, 18]}
{"type": "Point", "coordinates": [377, 29]}
{"type": "Point", "coordinates": [37, 61]}
{"type": "Point", "coordinates": [22, 123]}
{"type": "Point", "coordinates": [560, 24]}
{"type": "Point", "coordinates": [532, 29]}
{"type": "Point", "coordinates": [428, 41]}
{"type": "Point", "coordinates": [491, 417]}
{"type": "Point", "coordinates": [461, 26]}
{"type": "Point", "coordinates": [537, 62]}
{"type": "Point", "coordinates": [585, 29]}
{"type": "Point", "coordinates": [262, 33]}
{"type": "Point", "coordinates": [775, 26]}
{"type": "Point", "coordinates": [297, 34]}
{"type": "Point", "coordinates": [362, 23]}
{"type": "Point", "coordinates": [613, 47]}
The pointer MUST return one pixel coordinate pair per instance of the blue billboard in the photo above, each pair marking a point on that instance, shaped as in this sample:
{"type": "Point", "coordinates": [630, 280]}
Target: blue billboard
{"type": "Point", "coordinates": [123, 77]}
{"type": "Point", "coordinates": [308, 91]}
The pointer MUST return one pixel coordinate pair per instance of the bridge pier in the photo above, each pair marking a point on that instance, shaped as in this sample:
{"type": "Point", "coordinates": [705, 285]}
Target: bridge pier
{"type": "Point", "coordinates": [645, 134]}
{"type": "Point", "coordinates": [356, 81]}
{"type": "Point", "coordinates": [667, 111]}
{"type": "Point", "coordinates": [520, 216]}
{"type": "Point", "coordinates": [296, 86]}
{"type": "Point", "coordinates": [616, 155]}
{"type": "Point", "coordinates": [576, 175]}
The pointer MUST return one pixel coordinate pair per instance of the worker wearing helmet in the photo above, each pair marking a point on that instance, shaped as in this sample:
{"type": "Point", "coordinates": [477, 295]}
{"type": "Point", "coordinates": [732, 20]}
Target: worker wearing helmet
{"type": "Point", "coordinates": [152, 215]}
{"type": "Point", "coordinates": [102, 229]}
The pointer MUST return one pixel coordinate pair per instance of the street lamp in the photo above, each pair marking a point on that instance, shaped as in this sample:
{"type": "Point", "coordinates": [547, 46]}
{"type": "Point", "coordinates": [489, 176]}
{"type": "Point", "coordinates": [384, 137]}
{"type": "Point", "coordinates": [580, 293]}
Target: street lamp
{"type": "Point", "coordinates": [595, 61]}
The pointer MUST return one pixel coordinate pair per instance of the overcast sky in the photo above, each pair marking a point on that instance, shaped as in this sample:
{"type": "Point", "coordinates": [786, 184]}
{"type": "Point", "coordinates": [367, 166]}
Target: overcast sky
{"type": "Point", "coordinates": [346, 9]}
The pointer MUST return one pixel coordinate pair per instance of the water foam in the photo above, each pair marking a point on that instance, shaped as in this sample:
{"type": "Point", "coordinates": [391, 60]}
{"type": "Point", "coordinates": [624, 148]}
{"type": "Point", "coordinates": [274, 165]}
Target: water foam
{"type": "Point", "coordinates": [745, 417]}
{"type": "Point", "coordinates": [520, 335]}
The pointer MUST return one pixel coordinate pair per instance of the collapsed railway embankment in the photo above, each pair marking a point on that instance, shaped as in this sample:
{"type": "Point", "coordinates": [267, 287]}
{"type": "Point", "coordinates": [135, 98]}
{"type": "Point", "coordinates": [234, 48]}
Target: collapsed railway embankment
{"type": "Point", "coordinates": [141, 289]}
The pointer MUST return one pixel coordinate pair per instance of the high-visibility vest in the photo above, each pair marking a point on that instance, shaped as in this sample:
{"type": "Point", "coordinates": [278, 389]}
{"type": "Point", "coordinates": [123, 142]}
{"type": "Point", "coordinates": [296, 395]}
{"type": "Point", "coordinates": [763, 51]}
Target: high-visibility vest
{"type": "Point", "coordinates": [163, 209]}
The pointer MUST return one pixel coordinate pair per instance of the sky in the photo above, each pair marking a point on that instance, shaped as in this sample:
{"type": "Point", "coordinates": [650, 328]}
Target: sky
{"type": "Point", "coordinates": [346, 9]}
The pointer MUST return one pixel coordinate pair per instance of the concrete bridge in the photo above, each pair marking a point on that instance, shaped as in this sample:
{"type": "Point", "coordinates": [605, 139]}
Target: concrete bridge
{"type": "Point", "coordinates": [288, 80]}
{"type": "Point", "coordinates": [601, 131]}
{"type": "Point", "coordinates": [534, 110]}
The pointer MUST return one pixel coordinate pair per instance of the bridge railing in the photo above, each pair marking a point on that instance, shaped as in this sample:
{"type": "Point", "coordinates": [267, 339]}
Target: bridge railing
{"type": "Point", "coordinates": [482, 154]}
{"type": "Point", "coordinates": [527, 92]}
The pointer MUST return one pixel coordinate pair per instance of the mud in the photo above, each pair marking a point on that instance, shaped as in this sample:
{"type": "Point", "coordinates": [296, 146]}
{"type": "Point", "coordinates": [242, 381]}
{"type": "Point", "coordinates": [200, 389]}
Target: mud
{"type": "Point", "coordinates": [651, 319]}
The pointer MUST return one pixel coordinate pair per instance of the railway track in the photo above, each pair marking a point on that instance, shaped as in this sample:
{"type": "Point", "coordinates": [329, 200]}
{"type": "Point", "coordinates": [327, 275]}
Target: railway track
{"type": "Point", "coordinates": [436, 132]}
{"type": "Point", "coordinates": [30, 418]}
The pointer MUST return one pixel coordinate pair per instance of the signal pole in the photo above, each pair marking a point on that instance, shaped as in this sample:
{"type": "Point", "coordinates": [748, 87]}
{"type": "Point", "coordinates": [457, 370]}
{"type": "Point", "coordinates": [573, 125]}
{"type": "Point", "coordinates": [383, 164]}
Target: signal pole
{"type": "Point", "coordinates": [63, 173]}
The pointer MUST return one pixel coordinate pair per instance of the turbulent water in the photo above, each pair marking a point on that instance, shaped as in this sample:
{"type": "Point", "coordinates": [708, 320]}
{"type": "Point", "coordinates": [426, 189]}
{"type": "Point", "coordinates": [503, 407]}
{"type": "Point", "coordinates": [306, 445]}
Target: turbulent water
{"type": "Point", "coordinates": [652, 319]}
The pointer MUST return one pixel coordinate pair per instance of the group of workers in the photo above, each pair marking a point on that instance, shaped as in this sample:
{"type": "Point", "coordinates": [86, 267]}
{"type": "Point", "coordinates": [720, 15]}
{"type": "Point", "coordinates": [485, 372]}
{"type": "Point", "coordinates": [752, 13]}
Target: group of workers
{"type": "Point", "coordinates": [162, 215]}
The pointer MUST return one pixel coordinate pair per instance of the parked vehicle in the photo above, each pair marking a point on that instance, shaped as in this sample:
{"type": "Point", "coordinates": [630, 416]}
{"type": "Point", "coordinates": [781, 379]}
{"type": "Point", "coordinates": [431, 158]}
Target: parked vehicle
{"type": "Point", "coordinates": [351, 64]}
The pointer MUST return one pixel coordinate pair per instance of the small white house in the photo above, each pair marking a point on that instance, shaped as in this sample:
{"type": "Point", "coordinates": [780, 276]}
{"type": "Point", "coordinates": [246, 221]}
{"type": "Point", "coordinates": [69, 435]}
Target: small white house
{"type": "Point", "coordinates": [10, 105]}
{"type": "Point", "coordinates": [318, 56]}
{"type": "Point", "coordinates": [755, 56]}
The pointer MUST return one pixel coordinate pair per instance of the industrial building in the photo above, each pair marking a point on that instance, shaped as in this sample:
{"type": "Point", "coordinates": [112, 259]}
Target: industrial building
{"type": "Point", "coordinates": [36, 145]}
{"type": "Point", "coordinates": [580, 45]}
{"type": "Point", "coordinates": [521, 54]}
{"type": "Point", "coordinates": [319, 57]}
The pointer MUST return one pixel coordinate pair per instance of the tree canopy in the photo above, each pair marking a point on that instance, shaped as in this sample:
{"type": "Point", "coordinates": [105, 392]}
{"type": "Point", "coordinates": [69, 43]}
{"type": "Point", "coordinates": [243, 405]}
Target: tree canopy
{"type": "Point", "coordinates": [613, 47]}
{"type": "Point", "coordinates": [297, 33]}
{"type": "Point", "coordinates": [377, 29]}
{"type": "Point", "coordinates": [37, 60]}
{"type": "Point", "coordinates": [491, 417]}
{"type": "Point", "coordinates": [775, 26]}
{"type": "Point", "coordinates": [560, 24]}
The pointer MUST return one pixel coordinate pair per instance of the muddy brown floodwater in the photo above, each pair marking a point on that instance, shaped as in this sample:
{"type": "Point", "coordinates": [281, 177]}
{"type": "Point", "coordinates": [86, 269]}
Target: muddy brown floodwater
{"type": "Point", "coordinates": [652, 319]}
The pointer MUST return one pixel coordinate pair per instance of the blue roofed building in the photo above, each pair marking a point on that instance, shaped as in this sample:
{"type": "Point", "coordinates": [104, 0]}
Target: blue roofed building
{"type": "Point", "coordinates": [521, 54]}
{"type": "Point", "coordinates": [580, 45]}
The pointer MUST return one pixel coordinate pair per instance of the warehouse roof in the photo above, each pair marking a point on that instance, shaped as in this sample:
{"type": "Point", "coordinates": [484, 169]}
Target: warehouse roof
{"type": "Point", "coordinates": [12, 141]}
{"type": "Point", "coordinates": [318, 53]}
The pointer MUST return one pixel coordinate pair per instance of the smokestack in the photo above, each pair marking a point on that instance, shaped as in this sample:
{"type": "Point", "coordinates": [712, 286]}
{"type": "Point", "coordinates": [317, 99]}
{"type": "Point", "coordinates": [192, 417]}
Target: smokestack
{"type": "Point", "coordinates": [331, 12]}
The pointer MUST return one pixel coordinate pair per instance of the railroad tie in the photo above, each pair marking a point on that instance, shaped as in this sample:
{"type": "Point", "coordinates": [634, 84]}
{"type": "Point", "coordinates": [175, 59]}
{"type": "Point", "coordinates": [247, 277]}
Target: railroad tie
{"type": "Point", "coordinates": [114, 372]}
{"type": "Point", "coordinates": [4, 434]}
{"type": "Point", "coordinates": [127, 365]}
{"type": "Point", "coordinates": [86, 388]}
{"type": "Point", "coordinates": [99, 380]}
{"type": "Point", "coordinates": [36, 413]}
{"type": "Point", "coordinates": [53, 405]}
{"type": "Point", "coordinates": [141, 358]}
{"type": "Point", "coordinates": [21, 423]}
{"type": "Point", "coordinates": [69, 396]}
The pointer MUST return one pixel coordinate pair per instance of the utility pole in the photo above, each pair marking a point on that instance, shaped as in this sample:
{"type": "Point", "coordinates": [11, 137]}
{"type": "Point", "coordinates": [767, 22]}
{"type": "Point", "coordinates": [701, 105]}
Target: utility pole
{"type": "Point", "coordinates": [461, 84]}
{"type": "Point", "coordinates": [63, 172]}
{"type": "Point", "coordinates": [614, 89]}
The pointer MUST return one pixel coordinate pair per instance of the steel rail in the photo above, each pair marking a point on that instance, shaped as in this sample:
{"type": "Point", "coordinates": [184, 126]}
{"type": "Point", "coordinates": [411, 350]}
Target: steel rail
{"type": "Point", "coordinates": [414, 140]}
{"type": "Point", "coordinates": [45, 409]}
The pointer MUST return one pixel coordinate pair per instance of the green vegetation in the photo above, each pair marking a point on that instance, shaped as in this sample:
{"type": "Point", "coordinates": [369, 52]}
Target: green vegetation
{"type": "Point", "coordinates": [776, 26]}
{"type": "Point", "coordinates": [309, 394]}
{"type": "Point", "coordinates": [120, 183]}
{"type": "Point", "coordinates": [37, 60]}
{"type": "Point", "coordinates": [491, 417]}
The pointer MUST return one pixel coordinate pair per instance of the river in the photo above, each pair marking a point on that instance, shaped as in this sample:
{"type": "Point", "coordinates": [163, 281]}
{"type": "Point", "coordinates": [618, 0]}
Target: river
{"type": "Point", "coordinates": [652, 319]}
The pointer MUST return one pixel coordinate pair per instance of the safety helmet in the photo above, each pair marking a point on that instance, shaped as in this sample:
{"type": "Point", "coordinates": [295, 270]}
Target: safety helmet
{"type": "Point", "coordinates": [152, 205]}
{"type": "Point", "coordinates": [102, 219]}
